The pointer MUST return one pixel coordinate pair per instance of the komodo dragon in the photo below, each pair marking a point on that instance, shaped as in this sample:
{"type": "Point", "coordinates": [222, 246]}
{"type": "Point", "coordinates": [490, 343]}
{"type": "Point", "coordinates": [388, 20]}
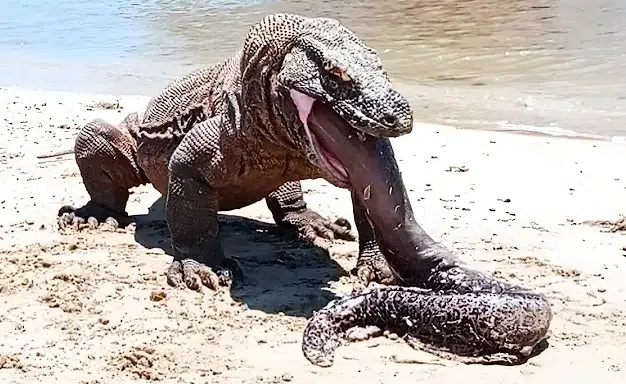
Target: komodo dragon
{"type": "Point", "coordinates": [305, 98]}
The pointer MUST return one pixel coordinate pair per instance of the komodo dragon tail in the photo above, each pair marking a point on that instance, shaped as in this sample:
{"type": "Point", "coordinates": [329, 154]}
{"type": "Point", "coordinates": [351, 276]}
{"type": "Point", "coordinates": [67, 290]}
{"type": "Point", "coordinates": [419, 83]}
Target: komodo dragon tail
{"type": "Point", "coordinates": [129, 123]}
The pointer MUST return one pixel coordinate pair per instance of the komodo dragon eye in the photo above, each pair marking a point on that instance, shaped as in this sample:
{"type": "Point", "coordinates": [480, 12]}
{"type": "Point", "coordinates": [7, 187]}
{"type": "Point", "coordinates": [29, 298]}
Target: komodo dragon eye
{"type": "Point", "coordinates": [338, 75]}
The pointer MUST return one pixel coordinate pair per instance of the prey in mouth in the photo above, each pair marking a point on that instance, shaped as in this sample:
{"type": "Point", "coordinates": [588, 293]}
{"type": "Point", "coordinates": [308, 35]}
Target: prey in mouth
{"type": "Point", "coordinates": [340, 123]}
{"type": "Point", "coordinates": [341, 91]}
{"type": "Point", "coordinates": [325, 137]}
{"type": "Point", "coordinates": [343, 151]}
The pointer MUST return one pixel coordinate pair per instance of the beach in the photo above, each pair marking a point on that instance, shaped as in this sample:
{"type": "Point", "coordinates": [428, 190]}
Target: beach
{"type": "Point", "coordinates": [94, 306]}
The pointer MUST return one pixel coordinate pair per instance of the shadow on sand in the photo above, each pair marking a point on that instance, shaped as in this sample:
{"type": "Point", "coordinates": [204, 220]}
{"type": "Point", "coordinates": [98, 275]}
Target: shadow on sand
{"type": "Point", "coordinates": [281, 273]}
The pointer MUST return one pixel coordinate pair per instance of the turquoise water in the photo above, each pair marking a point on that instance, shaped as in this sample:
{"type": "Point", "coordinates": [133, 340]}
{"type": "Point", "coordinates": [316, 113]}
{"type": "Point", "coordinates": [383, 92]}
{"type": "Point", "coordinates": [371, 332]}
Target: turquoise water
{"type": "Point", "coordinates": [556, 66]}
{"type": "Point", "coordinates": [129, 47]}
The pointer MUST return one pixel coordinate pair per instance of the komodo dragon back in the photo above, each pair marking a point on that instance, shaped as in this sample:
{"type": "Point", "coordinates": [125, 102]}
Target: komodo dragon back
{"type": "Point", "coordinates": [186, 101]}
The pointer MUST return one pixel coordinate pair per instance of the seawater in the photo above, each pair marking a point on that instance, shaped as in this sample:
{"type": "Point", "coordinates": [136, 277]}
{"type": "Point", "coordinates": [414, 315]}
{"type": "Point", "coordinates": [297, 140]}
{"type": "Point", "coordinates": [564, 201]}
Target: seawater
{"type": "Point", "coordinates": [551, 66]}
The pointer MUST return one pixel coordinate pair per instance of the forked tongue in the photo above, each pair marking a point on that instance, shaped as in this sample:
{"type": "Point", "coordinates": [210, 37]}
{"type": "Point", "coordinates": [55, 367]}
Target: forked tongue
{"type": "Point", "coordinates": [377, 183]}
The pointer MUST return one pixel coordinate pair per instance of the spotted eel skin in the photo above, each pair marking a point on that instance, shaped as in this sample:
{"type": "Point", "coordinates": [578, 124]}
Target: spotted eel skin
{"type": "Point", "coordinates": [469, 318]}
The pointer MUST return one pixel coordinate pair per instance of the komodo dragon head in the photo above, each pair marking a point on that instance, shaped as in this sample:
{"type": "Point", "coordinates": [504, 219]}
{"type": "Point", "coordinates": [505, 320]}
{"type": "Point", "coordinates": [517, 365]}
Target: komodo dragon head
{"type": "Point", "coordinates": [333, 83]}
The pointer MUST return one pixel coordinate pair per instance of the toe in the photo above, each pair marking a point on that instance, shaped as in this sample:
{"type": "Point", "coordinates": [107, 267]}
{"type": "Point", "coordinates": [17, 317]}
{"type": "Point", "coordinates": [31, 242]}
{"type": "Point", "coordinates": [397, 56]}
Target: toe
{"type": "Point", "coordinates": [175, 274]}
{"type": "Point", "coordinates": [208, 278]}
{"type": "Point", "coordinates": [67, 217]}
{"type": "Point", "coordinates": [77, 223]}
{"type": "Point", "coordinates": [340, 231]}
{"type": "Point", "coordinates": [225, 277]}
{"type": "Point", "coordinates": [362, 333]}
{"type": "Point", "coordinates": [110, 221]}
{"type": "Point", "coordinates": [64, 221]}
{"type": "Point", "coordinates": [308, 234]}
{"type": "Point", "coordinates": [92, 222]}
{"type": "Point", "coordinates": [191, 277]}
{"type": "Point", "coordinates": [323, 229]}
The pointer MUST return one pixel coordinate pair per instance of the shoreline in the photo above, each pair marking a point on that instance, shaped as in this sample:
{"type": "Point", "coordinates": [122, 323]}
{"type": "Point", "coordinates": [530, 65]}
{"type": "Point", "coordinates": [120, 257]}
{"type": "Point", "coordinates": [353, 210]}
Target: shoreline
{"type": "Point", "coordinates": [72, 103]}
{"type": "Point", "coordinates": [95, 305]}
{"type": "Point", "coordinates": [516, 129]}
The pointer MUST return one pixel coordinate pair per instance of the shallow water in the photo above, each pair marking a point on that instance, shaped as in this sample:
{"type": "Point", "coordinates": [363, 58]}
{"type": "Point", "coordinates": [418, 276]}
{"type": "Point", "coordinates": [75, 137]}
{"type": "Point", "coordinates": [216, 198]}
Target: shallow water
{"type": "Point", "coordinates": [557, 66]}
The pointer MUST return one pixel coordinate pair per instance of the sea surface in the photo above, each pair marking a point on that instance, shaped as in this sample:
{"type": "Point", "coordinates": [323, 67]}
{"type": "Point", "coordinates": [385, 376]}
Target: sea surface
{"type": "Point", "coordinates": [551, 66]}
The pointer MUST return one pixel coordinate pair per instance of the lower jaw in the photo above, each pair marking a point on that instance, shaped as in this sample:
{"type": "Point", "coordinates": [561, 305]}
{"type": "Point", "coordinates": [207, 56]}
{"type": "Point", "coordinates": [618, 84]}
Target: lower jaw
{"type": "Point", "coordinates": [328, 171]}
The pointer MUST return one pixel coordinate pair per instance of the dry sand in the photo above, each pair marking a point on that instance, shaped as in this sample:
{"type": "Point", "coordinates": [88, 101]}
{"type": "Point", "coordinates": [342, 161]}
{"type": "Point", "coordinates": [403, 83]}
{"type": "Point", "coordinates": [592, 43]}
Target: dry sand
{"type": "Point", "coordinates": [94, 307]}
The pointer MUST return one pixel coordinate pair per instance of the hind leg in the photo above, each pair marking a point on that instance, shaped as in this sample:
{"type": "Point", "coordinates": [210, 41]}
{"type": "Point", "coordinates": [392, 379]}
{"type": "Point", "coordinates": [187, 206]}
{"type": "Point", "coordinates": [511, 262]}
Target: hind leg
{"type": "Point", "coordinates": [106, 158]}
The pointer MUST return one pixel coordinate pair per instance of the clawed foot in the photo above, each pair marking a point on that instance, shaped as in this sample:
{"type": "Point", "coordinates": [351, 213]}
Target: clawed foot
{"type": "Point", "coordinates": [89, 216]}
{"type": "Point", "coordinates": [373, 267]}
{"type": "Point", "coordinates": [194, 275]}
{"type": "Point", "coordinates": [314, 228]}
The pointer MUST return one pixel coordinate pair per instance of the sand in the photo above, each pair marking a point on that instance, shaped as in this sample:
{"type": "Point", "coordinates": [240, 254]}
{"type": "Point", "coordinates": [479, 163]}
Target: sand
{"type": "Point", "coordinates": [94, 306]}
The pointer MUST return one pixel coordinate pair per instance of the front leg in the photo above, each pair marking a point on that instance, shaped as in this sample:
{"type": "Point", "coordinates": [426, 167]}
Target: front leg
{"type": "Point", "coordinates": [371, 266]}
{"type": "Point", "coordinates": [291, 213]}
{"type": "Point", "coordinates": [191, 208]}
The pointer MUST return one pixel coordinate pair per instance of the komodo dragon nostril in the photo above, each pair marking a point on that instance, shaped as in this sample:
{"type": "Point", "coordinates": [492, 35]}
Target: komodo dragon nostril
{"type": "Point", "coordinates": [389, 121]}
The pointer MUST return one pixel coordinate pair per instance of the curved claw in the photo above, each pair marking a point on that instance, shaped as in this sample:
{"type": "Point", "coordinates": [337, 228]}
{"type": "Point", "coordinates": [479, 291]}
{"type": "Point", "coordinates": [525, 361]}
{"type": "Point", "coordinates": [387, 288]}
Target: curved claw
{"type": "Point", "coordinates": [312, 227]}
{"type": "Point", "coordinates": [87, 217]}
{"type": "Point", "coordinates": [339, 229]}
{"type": "Point", "coordinates": [191, 274]}
{"type": "Point", "coordinates": [112, 222]}
{"type": "Point", "coordinates": [92, 223]}
{"type": "Point", "coordinates": [66, 209]}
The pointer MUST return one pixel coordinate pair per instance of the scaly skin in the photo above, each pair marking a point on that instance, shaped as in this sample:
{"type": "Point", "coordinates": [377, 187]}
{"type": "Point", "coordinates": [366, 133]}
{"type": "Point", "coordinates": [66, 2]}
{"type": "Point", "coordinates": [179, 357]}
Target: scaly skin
{"type": "Point", "coordinates": [445, 323]}
{"type": "Point", "coordinates": [305, 98]}
{"type": "Point", "coordinates": [227, 136]}
{"type": "Point", "coordinates": [449, 309]}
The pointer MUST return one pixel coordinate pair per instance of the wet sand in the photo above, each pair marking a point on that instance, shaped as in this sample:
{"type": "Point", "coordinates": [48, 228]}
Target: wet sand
{"type": "Point", "coordinates": [94, 306]}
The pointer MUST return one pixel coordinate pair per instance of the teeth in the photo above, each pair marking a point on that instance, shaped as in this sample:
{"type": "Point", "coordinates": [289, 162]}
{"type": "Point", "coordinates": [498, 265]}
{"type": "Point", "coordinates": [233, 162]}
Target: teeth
{"type": "Point", "coordinates": [361, 135]}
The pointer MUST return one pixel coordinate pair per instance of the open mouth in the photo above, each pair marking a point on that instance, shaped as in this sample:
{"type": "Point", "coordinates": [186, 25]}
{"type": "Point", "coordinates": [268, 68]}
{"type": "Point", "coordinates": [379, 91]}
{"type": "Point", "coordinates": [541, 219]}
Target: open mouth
{"type": "Point", "coordinates": [328, 161]}
{"type": "Point", "coordinates": [328, 135]}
